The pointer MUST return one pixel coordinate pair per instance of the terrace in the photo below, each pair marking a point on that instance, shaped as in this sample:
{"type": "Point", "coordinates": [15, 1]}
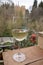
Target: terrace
{"type": "Point", "coordinates": [34, 54]}
{"type": "Point", "coordinates": [21, 22]}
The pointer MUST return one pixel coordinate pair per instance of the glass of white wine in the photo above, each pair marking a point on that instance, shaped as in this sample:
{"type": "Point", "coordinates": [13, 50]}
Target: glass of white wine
{"type": "Point", "coordinates": [19, 35]}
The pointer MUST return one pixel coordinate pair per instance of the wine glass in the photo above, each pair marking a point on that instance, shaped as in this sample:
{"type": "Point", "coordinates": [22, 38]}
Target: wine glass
{"type": "Point", "coordinates": [19, 35]}
{"type": "Point", "coordinates": [20, 32]}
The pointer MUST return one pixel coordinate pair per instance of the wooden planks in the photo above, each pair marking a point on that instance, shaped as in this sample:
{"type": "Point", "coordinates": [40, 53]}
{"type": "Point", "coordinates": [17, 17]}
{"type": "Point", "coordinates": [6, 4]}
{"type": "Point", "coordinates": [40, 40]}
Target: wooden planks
{"type": "Point", "coordinates": [31, 53]}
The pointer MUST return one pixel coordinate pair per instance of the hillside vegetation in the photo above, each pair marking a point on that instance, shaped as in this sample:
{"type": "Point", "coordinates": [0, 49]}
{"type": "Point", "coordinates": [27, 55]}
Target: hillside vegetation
{"type": "Point", "coordinates": [12, 16]}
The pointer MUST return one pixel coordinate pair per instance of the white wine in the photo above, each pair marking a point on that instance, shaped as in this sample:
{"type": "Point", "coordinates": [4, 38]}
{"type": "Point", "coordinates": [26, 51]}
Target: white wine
{"type": "Point", "coordinates": [20, 34]}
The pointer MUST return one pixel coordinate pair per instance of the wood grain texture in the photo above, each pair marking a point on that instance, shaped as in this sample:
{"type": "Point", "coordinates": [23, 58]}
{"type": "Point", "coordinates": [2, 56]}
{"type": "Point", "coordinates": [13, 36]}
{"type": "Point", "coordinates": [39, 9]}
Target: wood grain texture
{"type": "Point", "coordinates": [31, 53]}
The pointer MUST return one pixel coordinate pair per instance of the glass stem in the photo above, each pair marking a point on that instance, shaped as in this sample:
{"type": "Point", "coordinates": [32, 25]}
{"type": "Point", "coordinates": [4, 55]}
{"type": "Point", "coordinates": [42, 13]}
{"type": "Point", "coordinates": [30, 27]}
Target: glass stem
{"type": "Point", "coordinates": [19, 47]}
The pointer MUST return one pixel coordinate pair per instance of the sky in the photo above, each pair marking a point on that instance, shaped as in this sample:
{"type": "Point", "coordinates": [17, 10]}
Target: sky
{"type": "Point", "coordinates": [28, 3]}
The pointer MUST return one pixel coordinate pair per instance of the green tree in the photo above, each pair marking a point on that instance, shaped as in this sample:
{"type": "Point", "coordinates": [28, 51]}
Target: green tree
{"type": "Point", "coordinates": [35, 4]}
{"type": "Point", "coordinates": [41, 4]}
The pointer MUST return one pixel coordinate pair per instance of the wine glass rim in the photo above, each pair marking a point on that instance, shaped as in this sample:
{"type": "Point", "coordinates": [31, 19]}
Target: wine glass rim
{"type": "Point", "coordinates": [20, 29]}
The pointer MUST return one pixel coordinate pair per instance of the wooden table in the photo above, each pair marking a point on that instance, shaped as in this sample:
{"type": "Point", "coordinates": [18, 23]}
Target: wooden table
{"type": "Point", "coordinates": [32, 53]}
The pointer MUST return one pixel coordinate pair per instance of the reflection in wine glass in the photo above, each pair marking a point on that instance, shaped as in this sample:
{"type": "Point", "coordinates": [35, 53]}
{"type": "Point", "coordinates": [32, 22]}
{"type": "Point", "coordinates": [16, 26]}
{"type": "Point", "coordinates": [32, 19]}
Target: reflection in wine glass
{"type": "Point", "coordinates": [19, 35]}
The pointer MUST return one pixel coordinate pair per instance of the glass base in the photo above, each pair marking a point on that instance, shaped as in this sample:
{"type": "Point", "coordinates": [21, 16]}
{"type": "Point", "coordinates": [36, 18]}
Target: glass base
{"type": "Point", "coordinates": [19, 57]}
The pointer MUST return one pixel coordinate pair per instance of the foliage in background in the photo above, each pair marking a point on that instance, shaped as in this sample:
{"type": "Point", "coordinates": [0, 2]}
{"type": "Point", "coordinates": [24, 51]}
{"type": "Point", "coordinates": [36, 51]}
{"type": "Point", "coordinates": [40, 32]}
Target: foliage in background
{"type": "Point", "coordinates": [27, 42]}
{"type": "Point", "coordinates": [41, 4]}
{"type": "Point", "coordinates": [33, 20]}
